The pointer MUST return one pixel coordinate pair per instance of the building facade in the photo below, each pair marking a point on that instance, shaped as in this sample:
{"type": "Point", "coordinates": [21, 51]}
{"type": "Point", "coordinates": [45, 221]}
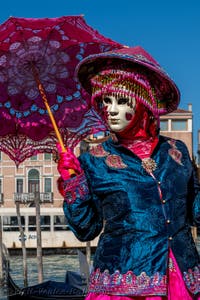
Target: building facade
{"type": "Point", "coordinates": [36, 174]}
{"type": "Point", "coordinates": [34, 180]}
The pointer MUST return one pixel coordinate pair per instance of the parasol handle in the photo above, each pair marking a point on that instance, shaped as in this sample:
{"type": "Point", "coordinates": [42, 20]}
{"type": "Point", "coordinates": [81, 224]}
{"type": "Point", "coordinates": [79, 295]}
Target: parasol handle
{"type": "Point", "coordinates": [52, 119]}
{"type": "Point", "coordinates": [44, 98]}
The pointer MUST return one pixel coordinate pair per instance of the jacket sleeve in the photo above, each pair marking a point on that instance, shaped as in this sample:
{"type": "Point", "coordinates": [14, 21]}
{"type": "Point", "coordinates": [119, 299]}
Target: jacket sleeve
{"type": "Point", "coordinates": [194, 199]}
{"type": "Point", "coordinates": [82, 208]}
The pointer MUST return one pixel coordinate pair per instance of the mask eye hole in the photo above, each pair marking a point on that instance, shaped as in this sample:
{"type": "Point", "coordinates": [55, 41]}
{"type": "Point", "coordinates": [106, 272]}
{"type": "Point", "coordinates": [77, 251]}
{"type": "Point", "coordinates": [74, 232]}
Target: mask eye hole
{"type": "Point", "coordinates": [123, 101]}
{"type": "Point", "coordinates": [106, 100]}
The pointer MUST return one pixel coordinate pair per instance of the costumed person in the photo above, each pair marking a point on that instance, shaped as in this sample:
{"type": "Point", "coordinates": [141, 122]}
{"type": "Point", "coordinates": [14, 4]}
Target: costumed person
{"type": "Point", "coordinates": [138, 189]}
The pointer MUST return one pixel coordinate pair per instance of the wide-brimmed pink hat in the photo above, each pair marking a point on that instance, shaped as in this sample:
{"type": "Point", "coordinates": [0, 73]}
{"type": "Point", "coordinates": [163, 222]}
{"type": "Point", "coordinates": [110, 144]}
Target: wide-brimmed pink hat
{"type": "Point", "coordinates": [139, 61]}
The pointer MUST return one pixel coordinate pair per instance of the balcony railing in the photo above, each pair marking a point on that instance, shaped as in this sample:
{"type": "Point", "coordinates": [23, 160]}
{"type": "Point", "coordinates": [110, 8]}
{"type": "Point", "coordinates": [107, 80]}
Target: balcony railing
{"type": "Point", "coordinates": [32, 197]}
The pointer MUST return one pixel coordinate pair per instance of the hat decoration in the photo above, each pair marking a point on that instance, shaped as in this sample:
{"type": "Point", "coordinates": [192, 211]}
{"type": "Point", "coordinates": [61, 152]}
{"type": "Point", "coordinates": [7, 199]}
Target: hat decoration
{"type": "Point", "coordinates": [124, 84]}
{"type": "Point", "coordinates": [132, 72]}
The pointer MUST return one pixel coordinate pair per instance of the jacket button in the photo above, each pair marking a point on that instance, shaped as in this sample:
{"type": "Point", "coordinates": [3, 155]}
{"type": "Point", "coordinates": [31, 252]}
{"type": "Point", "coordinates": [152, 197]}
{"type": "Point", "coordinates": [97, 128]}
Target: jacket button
{"type": "Point", "coordinates": [168, 221]}
{"type": "Point", "coordinates": [170, 238]}
{"type": "Point", "coordinates": [163, 201]}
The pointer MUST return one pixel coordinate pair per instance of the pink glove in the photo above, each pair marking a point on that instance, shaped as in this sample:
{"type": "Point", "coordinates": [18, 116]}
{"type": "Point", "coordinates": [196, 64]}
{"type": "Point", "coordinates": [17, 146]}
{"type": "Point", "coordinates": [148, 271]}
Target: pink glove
{"type": "Point", "coordinates": [66, 162]}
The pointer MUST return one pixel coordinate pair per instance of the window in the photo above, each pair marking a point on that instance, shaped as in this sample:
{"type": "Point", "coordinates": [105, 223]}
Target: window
{"type": "Point", "coordinates": [60, 223]}
{"type": "Point", "coordinates": [19, 185]}
{"type": "Point", "coordinates": [47, 156]}
{"type": "Point", "coordinates": [34, 157]}
{"type": "Point", "coordinates": [44, 223]}
{"type": "Point", "coordinates": [32, 223]}
{"type": "Point", "coordinates": [47, 185]}
{"type": "Point", "coordinates": [33, 181]}
{"type": "Point", "coordinates": [179, 125]}
{"type": "Point", "coordinates": [164, 125]}
{"type": "Point", "coordinates": [10, 223]}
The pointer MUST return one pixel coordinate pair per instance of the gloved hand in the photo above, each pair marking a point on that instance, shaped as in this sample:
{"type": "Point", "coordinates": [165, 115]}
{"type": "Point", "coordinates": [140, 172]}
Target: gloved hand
{"type": "Point", "coordinates": [66, 162]}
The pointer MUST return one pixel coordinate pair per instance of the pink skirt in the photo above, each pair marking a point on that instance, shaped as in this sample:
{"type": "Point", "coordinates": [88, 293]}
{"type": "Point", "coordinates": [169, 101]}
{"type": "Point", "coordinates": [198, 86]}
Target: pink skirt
{"type": "Point", "coordinates": [176, 289]}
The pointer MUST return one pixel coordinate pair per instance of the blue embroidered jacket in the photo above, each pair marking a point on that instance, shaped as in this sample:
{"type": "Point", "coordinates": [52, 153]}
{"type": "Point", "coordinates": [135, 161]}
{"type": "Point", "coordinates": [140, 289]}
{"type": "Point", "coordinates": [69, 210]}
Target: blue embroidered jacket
{"type": "Point", "coordinates": [140, 217]}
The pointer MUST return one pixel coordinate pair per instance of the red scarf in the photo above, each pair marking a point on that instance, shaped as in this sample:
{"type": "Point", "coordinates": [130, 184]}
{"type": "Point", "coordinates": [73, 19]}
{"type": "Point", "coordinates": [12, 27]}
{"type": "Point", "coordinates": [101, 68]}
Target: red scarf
{"type": "Point", "coordinates": [141, 135]}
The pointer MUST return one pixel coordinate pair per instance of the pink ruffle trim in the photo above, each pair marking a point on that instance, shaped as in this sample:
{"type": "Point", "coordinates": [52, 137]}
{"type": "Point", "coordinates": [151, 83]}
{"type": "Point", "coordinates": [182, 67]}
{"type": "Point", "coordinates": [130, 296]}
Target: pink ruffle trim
{"type": "Point", "coordinates": [176, 289]}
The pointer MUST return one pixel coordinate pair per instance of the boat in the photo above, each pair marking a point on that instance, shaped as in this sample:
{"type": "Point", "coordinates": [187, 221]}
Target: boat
{"type": "Point", "coordinates": [74, 285]}
{"type": "Point", "coordinates": [74, 288]}
{"type": "Point", "coordinates": [56, 234]}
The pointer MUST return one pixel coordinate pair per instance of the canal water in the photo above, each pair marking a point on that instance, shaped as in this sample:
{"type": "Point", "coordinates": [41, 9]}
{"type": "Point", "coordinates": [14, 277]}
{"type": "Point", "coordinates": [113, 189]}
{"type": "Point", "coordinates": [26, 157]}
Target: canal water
{"type": "Point", "coordinates": [54, 268]}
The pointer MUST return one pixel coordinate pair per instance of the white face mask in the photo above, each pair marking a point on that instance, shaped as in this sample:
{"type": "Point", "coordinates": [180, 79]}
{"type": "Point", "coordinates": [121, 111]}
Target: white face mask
{"type": "Point", "coordinates": [120, 111]}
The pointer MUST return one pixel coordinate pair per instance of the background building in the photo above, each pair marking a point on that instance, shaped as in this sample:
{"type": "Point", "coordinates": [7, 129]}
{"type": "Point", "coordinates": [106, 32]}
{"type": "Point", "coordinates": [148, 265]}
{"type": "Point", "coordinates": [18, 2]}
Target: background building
{"type": "Point", "coordinates": [34, 180]}
{"type": "Point", "coordinates": [178, 125]}
{"type": "Point", "coordinates": [36, 174]}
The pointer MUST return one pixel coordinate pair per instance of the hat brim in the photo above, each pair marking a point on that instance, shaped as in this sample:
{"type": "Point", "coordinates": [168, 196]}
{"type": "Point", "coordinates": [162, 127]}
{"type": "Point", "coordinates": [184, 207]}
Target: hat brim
{"type": "Point", "coordinates": [166, 89]}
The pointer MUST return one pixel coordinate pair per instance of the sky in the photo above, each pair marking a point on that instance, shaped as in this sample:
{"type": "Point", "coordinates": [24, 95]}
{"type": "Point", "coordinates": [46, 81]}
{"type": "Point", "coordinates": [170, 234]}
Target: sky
{"type": "Point", "coordinates": [168, 30]}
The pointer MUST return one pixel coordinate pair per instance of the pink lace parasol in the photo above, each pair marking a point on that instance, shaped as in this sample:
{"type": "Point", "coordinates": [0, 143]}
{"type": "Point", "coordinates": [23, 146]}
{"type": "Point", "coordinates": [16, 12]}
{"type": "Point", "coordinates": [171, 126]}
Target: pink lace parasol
{"type": "Point", "coordinates": [38, 58]}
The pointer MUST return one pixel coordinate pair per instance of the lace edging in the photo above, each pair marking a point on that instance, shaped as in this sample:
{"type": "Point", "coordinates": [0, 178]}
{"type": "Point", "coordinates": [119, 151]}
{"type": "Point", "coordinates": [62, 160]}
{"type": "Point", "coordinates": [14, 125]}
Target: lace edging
{"type": "Point", "coordinates": [192, 279]}
{"type": "Point", "coordinates": [129, 283]}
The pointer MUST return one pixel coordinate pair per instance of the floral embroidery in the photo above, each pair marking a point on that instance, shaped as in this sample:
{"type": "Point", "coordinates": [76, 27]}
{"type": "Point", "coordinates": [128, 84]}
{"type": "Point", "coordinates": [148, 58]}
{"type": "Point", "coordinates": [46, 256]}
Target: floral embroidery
{"type": "Point", "coordinates": [192, 279]}
{"type": "Point", "coordinates": [176, 155]}
{"type": "Point", "coordinates": [75, 187]}
{"type": "Point", "coordinates": [112, 160]}
{"type": "Point", "coordinates": [115, 161]}
{"type": "Point", "coordinates": [171, 265]}
{"type": "Point", "coordinates": [174, 152]}
{"type": "Point", "coordinates": [129, 283]}
{"type": "Point", "coordinates": [98, 151]}
{"type": "Point", "coordinates": [70, 197]}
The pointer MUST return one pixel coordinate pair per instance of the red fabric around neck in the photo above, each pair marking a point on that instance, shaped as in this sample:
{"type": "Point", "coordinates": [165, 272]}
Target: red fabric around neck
{"type": "Point", "coordinates": [140, 136]}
